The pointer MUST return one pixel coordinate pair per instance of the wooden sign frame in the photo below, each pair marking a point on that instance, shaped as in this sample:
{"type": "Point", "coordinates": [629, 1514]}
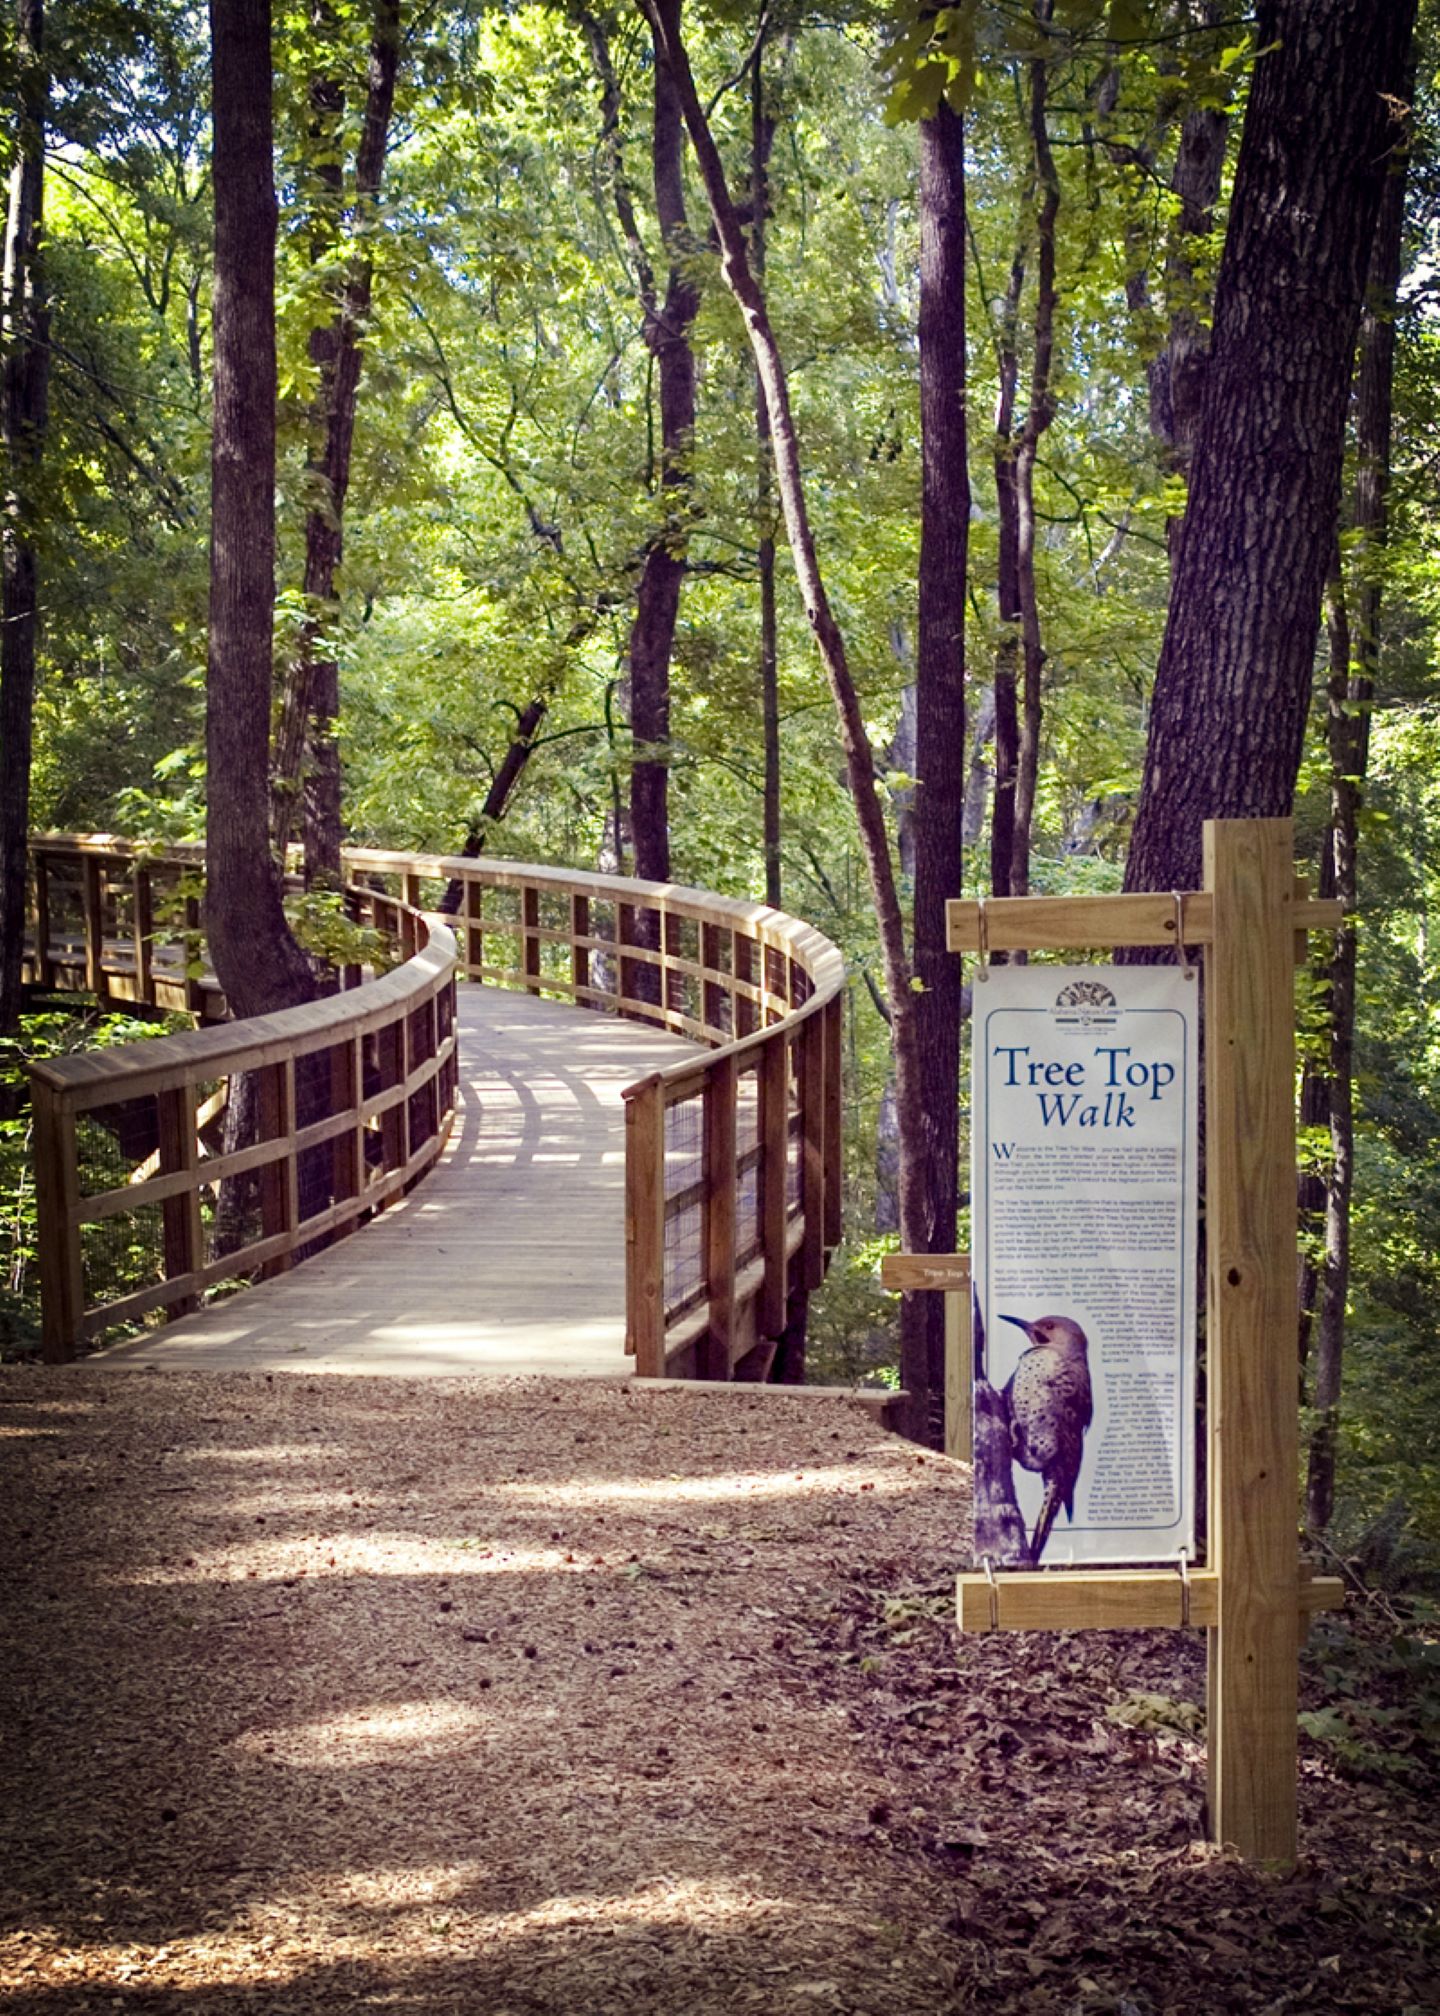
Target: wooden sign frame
{"type": "Point", "coordinates": [1253, 1593]}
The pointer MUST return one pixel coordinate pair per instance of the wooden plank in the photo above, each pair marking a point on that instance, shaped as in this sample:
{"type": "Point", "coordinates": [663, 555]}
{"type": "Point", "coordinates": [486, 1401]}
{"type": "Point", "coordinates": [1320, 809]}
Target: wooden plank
{"type": "Point", "coordinates": [905, 1272]}
{"type": "Point", "coordinates": [1115, 1599]}
{"type": "Point", "coordinates": [774, 1205]}
{"type": "Point", "coordinates": [1061, 923]}
{"type": "Point", "coordinates": [1251, 1222]}
{"type": "Point", "coordinates": [833, 1015]}
{"type": "Point", "coordinates": [645, 1227]}
{"type": "Point", "coordinates": [57, 1192]}
{"type": "Point", "coordinates": [812, 1150]}
{"type": "Point", "coordinates": [716, 1353]}
{"type": "Point", "coordinates": [179, 1155]}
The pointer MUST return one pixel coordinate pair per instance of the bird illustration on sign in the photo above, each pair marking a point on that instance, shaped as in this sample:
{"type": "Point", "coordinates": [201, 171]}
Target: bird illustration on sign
{"type": "Point", "coordinates": [1047, 1407]}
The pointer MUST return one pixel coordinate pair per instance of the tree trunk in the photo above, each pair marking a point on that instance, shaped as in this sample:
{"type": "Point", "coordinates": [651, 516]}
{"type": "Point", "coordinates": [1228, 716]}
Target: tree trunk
{"type": "Point", "coordinates": [1037, 419]}
{"type": "Point", "coordinates": [762, 135]}
{"type": "Point", "coordinates": [1352, 691]}
{"type": "Point", "coordinates": [1232, 687]}
{"type": "Point", "coordinates": [256, 959]}
{"type": "Point", "coordinates": [657, 601]}
{"type": "Point", "coordinates": [939, 735]}
{"type": "Point", "coordinates": [497, 798]}
{"type": "Point", "coordinates": [1007, 584]}
{"type": "Point", "coordinates": [858, 755]}
{"type": "Point", "coordinates": [312, 696]}
{"type": "Point", "coordinates": [25, 396]}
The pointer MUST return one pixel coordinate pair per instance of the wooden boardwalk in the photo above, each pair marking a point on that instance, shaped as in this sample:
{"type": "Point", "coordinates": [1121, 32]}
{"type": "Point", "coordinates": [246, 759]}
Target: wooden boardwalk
{"type": "Point", "coordinates": [508, 1258]}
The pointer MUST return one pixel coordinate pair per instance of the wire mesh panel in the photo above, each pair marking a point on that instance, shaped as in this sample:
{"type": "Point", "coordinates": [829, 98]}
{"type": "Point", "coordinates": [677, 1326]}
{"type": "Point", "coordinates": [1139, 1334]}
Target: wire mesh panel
{"type": "Point", "coordinates": [747, 1156]}
{"type": "Point", "coordinates": [684, 1204]}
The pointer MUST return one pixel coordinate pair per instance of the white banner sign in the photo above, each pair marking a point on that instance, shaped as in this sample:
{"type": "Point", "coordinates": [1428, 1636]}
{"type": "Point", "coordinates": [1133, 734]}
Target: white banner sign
{"type": "Point", "coordinates": [1083, 1233]}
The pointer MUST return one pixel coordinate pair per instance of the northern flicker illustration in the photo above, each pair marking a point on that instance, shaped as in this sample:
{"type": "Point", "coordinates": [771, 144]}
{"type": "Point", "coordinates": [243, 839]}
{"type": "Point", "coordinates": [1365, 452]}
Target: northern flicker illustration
{"type": "Point", "coordinates": [1050, 1409]}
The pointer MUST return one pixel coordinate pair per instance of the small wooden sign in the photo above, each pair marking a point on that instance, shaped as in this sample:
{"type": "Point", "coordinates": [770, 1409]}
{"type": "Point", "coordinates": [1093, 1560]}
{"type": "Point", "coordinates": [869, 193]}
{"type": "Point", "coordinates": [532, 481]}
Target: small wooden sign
{"type": "Point", "coordinates": [906, 1271]}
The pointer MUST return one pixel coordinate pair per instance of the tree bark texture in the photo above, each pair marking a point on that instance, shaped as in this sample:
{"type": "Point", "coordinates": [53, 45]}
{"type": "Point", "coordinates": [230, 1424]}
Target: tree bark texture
{"type": "Point", "coordinates": [25, 396]}
{"type": "Point", "coordinates": [1233, 682]}
{"type": "Point", "coordinates": [256, 959]}
{"type": "Point", "coordinates": [1007, 583]}
{"type": "Point", "coordinates": [858, 755]}
{"type": "Point", "coordinates": [657, 600]}
{"type": "Point", "coordinates": [939, 734]}
{"type": "Point", "coordinates": [312, 694]}
{"type": "Point", "coordinates": [1351, 694]}
{"type": "Point", "coordinates": [762, 136]}
{"type": "Point", "coordinates": [1037, 419]}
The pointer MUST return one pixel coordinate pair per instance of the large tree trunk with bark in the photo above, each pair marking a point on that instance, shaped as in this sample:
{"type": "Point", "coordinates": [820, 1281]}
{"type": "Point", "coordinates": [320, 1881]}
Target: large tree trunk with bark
{"type": "Point", "coordinates": [1351, 694]}
{"type": "Point", "coordinates": [312, 695]}
{"type": "Point", "coordinates": [1037, 419]}
{"type": "Point", "coordinates": [1233, 683]}
{"type": "Point", "coordinates": [762, 136]}
{"type": "Point", "coordinates": [256, 959]}
{"type": "Point", "coordinates": [25, 397]}
{"type": "Point", "coordinates": [657, 601]}
{"type": "Point", "coordinates": [939, 736]}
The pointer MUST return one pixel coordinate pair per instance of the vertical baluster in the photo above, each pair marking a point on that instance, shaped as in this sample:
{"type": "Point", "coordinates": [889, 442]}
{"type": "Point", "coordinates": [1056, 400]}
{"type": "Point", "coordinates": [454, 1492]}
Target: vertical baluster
{"type": "Point", "coordinates": [529, 931]}
{"type": "Point", "coordinates": [44, 964]}
{"type": "Point", "coordinates": [94, 906]}
{"type": "Point", "coordinates": [774, 1205]}
{"type": "Point", "coordinates": [279, 1186]}
{"type": "Point", "coordinates": [474, 936]}
{"type": "Point", "coordinates": [143, 924]}
{"type": "Point", "coordinates": [645, 1227]}
{"type": "Point", "coordinates": [57, 1197]}
{"type": "Point", "coordinates": [812, 1150]}
{"type": "Point", "coordinates": [180, 1215]}
{"type": "Point", "coordinates": [834, 1018]}
{"type": "Point", "coordinates": [720, 1214]}
{"type": "Point", "coordinates": [579, 954]}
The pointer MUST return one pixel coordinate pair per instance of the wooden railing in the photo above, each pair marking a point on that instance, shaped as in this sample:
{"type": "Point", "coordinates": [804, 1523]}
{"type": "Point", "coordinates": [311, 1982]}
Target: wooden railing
{"type": "Point", "coordinates": [349, 1100]}
{"type": "Point", "coordinates": [732, 1161]}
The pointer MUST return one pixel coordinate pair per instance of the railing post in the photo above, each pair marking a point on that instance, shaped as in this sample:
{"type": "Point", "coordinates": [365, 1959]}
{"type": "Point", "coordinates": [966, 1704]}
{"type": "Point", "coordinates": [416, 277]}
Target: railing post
{"type": "Point", "coordinates": [44, 968]}
{"type": "Point", "coordinates": [347, 1160]}
{"type": "Point", "coordinates": [774, 1203]}
{"type": "Point", "coordinates": [579, 954]}
{"type": "Point", "coordinates": [645, 1227]}
{"type": "Point", "coordinates": [474, 935]}
{"type": "Point", "coordinates": [747, 1016]}
{"type": "Point", "coordinates": [812, 1150]}
{"type": "Point", "coordinates": [191, 942]}
{"type": "Point", "coordinates": [144, 930]}
{"type": "Point", "coordinates": [180, 1215]}
{"type": "Point", "coordinates": [530, 939]}
{"type": "Point", "coordinates": [94, 907]}
{"type": "Point", "coordinates": [279, 1189]}
{"type": "Point", "coordinates": [718, 1106]}
{"type": "Point", "coordinates": [834, 1018]}
{"type": "Point", "coordinates": [57, 1196]}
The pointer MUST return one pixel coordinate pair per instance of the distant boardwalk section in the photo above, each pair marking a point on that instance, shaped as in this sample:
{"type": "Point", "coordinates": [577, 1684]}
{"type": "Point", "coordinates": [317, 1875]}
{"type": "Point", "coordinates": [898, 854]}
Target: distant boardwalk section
{"type": "Point", "coordinates": [508, 1258]}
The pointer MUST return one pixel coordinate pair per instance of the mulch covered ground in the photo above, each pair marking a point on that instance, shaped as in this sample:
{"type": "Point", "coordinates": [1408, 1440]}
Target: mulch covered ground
{"type": "Point", "coordinates": [523, 1697]}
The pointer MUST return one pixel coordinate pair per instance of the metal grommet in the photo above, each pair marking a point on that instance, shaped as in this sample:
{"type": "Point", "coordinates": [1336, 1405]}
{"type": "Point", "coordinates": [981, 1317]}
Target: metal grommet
{"type": "Point", "coordinates": [1181, 953]}
{"type": "Point", "coordinates": [984, 929]}
{"type": "Point", "coordinates": [989, 1568]}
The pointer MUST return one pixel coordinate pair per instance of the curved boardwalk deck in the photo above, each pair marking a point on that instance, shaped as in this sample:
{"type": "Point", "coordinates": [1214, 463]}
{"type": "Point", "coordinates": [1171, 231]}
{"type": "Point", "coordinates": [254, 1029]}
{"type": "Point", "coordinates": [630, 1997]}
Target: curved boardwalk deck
{"type": "Point", "coordinates": [509, 1258]}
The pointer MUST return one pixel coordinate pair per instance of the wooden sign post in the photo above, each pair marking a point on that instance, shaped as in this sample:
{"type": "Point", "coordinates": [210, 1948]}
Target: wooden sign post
{"type": "Point", "coordinates": [1253, 1592]}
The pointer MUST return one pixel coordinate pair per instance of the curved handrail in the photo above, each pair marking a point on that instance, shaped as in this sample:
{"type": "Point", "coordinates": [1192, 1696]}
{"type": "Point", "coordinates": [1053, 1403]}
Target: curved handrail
{"type": "Point", "coordinates": [351, 1099]}
{"type": "Point", "coordinates": [732, 1156]}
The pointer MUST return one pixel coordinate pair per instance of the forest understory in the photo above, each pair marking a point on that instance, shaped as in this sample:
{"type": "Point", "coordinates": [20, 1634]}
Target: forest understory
{"type": "Point", "coordinates": [519, 1696]}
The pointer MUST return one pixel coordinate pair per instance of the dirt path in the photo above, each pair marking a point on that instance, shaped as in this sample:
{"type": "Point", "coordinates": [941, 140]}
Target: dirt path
{"type": "Point", "coordinates": [527, 1697]}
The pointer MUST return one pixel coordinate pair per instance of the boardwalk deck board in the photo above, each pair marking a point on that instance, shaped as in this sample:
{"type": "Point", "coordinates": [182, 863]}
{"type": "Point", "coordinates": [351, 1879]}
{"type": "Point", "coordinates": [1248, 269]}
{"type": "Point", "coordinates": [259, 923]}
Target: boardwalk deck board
{"type": "Point", "coordinates": [509, 1258]}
